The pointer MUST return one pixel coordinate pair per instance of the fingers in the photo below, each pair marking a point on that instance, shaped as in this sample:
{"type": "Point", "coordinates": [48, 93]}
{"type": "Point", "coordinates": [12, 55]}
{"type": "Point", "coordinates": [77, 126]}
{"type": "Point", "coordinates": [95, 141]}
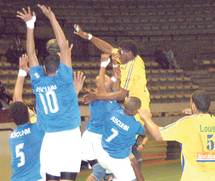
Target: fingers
{"type": "Point", "coordinates": [71, 46]}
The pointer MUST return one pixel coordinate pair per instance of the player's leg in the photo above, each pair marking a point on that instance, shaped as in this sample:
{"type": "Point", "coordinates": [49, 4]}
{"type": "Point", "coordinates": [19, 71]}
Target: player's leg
{"type": "Point", "coordinates": [98, 171]}
{"type": "Point", "coordinates": [70, 148]}
{"type": "Point", "coordinates": [68, 176]}
{"type": "Point", "coordinates": [136, 168]}
{"type": "Point", "coordinates": [51, 177]}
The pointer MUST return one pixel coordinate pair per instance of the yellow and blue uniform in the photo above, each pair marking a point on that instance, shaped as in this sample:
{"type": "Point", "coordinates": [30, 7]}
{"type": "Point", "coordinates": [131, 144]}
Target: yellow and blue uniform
{"type": "Point", "coordinates": [133, 79]}
{"type": "Point", "coordinates": [196, 133]}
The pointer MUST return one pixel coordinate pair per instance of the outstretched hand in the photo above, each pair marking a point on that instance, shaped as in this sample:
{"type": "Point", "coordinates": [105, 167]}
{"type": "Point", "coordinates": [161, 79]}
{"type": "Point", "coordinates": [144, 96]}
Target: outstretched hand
{"type": "Point", "coordinates": [23, 63]}
{"type": "Point", "coordinates": [78, 31]}
{"type": "Point", "coordinates": [78, 80]}
{"type": "Point", "coordinates": [26, 15]}
{"type": "Point", "coordinates": [47, 11]}
{"type": "Point", "coordinates": [92, 96]}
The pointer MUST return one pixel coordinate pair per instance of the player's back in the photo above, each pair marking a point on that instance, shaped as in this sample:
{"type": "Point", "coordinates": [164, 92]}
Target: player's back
{"type": "Point", "coordinates": [25, 144]}
{"type": "Point", "coordinates": [119, 133]}
{"type": "Point", "coordinates": [57, 101]}
{"type": "Point", "coordinates": [199, 149]}
{"type": "Point", "coordinates": [98, 110]}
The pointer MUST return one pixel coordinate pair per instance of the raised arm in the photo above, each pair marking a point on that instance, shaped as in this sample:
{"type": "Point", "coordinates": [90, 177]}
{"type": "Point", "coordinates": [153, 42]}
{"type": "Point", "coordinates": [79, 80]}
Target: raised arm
{"type": "Point", "coordinates": [151, 126]}
{"type": "Point", "coordinates": [100, 44]}
{"type": "Point", "coordinates": [59, 34]}
{"type": "Point", "coordinates": [29, 19]}
{"type": "Point", "coordinates": [23, 70]}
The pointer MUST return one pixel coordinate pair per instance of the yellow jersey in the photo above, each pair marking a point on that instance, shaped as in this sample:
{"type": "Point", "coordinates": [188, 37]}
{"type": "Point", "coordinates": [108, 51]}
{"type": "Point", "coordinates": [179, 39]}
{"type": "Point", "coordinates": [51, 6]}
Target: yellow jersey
{"type": "Point", "coordinates": [133, 79]}
{"type": "Point", "coordinates": [32, 115]}
{"type": "Point", "coordinates": [196, 133]}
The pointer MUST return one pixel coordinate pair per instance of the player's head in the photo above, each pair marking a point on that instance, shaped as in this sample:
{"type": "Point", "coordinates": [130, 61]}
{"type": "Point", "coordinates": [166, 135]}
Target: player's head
{"type": "Point", "coordinates": [201, 101]}
{"type": "Point", "coordinates": [107, 79]}
{"type": "Point", "coordinates": [19, 113]}
{"type": "Point", "coordinates": [128, 50]}
{"type": "Point", "coordinates": [131, 105]}
{"type": "Point", "coordinates": [51, 64]}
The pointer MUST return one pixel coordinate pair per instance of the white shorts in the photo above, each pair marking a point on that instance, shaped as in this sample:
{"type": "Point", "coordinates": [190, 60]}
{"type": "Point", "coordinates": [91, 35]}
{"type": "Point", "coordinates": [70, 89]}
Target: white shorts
{"type": "Point", "coordinates": [61, 152]}
{"type": "Point", "coordinates": [121, 168]}
{"type": "Point", "coordinates": [90, 142]}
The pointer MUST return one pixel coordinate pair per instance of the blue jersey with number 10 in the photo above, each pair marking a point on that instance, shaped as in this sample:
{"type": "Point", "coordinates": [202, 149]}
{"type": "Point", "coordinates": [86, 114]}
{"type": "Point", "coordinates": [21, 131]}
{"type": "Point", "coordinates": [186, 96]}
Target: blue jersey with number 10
{"type": "Point", "coordinates": [56, 98]}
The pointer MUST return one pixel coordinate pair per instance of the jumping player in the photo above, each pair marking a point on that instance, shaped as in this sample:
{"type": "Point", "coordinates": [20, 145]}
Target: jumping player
{"type": "Point", "coordinates": [57, 107]}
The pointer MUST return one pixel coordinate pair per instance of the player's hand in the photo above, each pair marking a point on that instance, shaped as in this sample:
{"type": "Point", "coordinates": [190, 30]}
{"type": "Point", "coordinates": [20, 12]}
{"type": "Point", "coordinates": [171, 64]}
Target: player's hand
{"type": "Point", "coordinates": [115, 56]}
{"type": "Point", "coordinates": [78, 80]}
{"type": "Point", "coordinates": [47, 11]}
{"type": "Point", "coordinates": [92, 96]}
{"type": "Point", "coordinates": [23, 63]}
{"type": "Point", "coordinates": [78, 31]}
{"type": "Point", "coordinates": [140, 148]}
{"type": "Point", "coordinates": [117, 72]}
{"type": "Point", "coordinates": [25, 15]}
{"type": "Point", "coordinates": [187, 111]}
{"type": "Point", "coordinates": [145, 114]}
{"type": "Point", "coordinates": [105, 57]}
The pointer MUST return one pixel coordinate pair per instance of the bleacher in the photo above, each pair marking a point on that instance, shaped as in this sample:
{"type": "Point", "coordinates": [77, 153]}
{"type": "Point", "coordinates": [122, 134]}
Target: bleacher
{"type": "Point", "coordinates": [188, 28]}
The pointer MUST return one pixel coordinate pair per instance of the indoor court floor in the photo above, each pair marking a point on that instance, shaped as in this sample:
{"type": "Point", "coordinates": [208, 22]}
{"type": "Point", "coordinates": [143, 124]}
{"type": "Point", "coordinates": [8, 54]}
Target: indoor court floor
{"type": "Point", "coordinates": [153, 170]}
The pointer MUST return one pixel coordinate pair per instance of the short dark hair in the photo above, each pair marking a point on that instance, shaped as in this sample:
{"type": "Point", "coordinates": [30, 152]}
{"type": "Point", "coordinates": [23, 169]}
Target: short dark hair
{"type": "Point", "coordinates": [202, 100]}
{"type": "Point", "coordinates": [132, 103]}
{"type": "Point", "coordinates": [52, 63]}
{"type": "Point", "coordinates": [129, 45]}
{"type": "Point", "coordinates": [19, 113]}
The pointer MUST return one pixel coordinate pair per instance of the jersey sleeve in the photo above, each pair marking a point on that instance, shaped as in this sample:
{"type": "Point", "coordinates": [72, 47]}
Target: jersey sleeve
{"type": "Point", "coordinates": [175, 131]}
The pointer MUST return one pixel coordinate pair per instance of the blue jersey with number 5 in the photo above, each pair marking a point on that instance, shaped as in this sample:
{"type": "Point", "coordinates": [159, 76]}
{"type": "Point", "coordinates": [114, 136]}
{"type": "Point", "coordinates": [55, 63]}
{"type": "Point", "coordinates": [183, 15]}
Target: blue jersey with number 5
{"type": "Point", "coordinates": [56, 99]}
{"type": "Point", "coordinates": [25, 143]}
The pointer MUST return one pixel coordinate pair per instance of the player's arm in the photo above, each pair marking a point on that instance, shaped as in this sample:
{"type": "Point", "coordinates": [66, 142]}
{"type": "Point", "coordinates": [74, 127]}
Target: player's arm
{"type": "Point", "coordinates": [23, 70]}
{"type": "Point", "coordinates": [100, 44]}
{"type": "Point", "coordinates": [93, 96]}
{"type": "Point", "coordinates": [144, 141]}
{"type": "Point", "coordinates": [105, 60]}
{"type": "Point", "coordinates": [29, 19]}
{"type": "Point", "coordinates": [151, 126]}
{"type": "Point", "coordinates": [59, 34]}
{"type": "Point", "coordinates": [78, 80]}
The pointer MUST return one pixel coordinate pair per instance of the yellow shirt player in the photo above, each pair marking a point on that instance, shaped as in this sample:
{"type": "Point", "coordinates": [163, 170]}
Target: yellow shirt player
{"type": "Point", "coordinates": [196, 134]}
{"type": "Point", "coordinates": [133, 79]}
{"type": "Point", "coordinates": [133, 76]}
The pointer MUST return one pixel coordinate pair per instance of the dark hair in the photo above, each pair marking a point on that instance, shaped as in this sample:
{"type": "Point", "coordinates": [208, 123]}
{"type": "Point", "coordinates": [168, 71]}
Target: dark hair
{"type": "Point", "coordinates": [52, 63]}
{"type": "Point", "coordinates": [19, 113]}
{"type": "Point", "coordinates": [132, 103]}
{"type": "Point", "coordinates": [202, 100]}
{"type": "Point", "coordinates": [129, 45]}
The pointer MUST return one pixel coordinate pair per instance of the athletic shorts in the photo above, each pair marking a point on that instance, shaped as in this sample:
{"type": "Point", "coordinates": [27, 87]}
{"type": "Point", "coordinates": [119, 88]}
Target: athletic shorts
{"type": "Point", "coordinates": [61, 152]}
{"type": "Point", "coordinates": [121, 168]}
{"type": "Point", "coordinates": [90, 141]}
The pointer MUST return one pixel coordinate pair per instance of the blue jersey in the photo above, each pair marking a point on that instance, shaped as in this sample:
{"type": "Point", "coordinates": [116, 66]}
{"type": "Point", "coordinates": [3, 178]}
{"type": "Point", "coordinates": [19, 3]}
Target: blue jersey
{"type": "Point", "coordinates": [57, 101]}
{"type": "Point", "coordinates": [98, 110]}
{"type": "Point", "coordinates": [25, 143]}
{"type": "Point", "coordinates": [119, 133]}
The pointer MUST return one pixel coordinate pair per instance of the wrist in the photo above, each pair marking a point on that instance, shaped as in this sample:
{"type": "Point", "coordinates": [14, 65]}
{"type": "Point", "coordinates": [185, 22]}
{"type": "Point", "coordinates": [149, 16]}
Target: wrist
{"type": "Point", "coordinates": [30, 23]}
{"type": "Point", "coordinates": [113, 79]}
{"type": "Point", "coordinates": [115, 65]}
{"type": "Point", "coordinates": [90, 36]}
{"type": "Point", "coordinates": [105, 63]}
{"type": "Point", "coordinates": [22, 73]}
